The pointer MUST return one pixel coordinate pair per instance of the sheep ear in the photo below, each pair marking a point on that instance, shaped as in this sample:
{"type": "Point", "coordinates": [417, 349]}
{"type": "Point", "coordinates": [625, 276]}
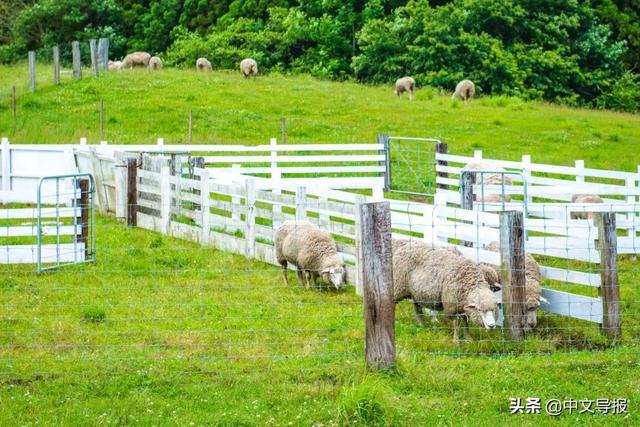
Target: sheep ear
{"type": "Point", "coordinates": [326, 270]}
{"type": "Point", "coordinates": [544, 300]}
{"type": "Point", "coordinates": [471, 306]}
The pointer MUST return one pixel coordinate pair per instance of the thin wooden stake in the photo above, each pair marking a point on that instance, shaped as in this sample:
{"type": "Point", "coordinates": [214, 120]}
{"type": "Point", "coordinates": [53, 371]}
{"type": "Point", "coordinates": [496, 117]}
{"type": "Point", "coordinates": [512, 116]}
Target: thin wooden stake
{"type": "Point", "coordinates": [375, 266]}
{"type": "Point", "coordinates": [610, 288]}
{"type": "Point", "coordinates": [56, 65]}
{"type": "Point", "coordinates": [32, 71]}
{"type": "Point", "coordinates": [283, 130]}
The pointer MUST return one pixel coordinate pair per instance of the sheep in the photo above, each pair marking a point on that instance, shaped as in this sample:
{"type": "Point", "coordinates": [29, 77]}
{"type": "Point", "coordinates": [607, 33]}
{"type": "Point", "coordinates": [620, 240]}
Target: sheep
{"type": "Point", "coordinates": [249, 67]}
{"type": "Point", "coordinates": [584, 198]}
{"type": "Point", "coordinates": [114, 65]}
{"type": "Point", "coordinates": [405, 84]}
{"type": "Point", "coordinates": [443, 279]}
{"type": "Point", "coordinates": [136, 59]}
{"type": "Point", "coordinates": [533, 287]}
{"type": "Point", "coordinates": [311, 250]}
{"type": "Point", "coordinates": [465, 90]}
{"type": "Point", "coordinates": [489, 179]}
{"type": "Point", "coordinates": [203, 64]}
{"type": "Point", "coordinates": [155, 63]}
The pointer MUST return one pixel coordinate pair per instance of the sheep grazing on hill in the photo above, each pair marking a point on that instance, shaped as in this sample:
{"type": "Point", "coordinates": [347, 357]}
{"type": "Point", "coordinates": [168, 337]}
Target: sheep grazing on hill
{"type": "Point", "coordinates": [249, 67]}
{"type": "Point", "coordinates": [311, 250]}
{"type": "Point", "coordinates": [136, 59]}
{"type": "Point", "coordinates": [465, 90]}
{"type": "Point", "coordinates": [443, 279]}
{"type": "Point", "coordinates": [533, 287]}
{"type": "Point", "coordinates": [489, 196]}
{"type": "Point", "coordinates": [203, 64]}
{"type": "Point", "coordinates": [406, 84]}
{"type": "Point", "coordinates": [114, 65]}
{"type": "Point", "coordinates": [155, 63]}
{"type": "Point", "coordinates": [584, 198]}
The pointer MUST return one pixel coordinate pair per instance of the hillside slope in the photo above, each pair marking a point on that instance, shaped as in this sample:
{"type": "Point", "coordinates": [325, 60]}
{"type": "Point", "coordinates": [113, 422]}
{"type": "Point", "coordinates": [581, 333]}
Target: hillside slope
{"type": "Point", "coordinates": [141, 106]}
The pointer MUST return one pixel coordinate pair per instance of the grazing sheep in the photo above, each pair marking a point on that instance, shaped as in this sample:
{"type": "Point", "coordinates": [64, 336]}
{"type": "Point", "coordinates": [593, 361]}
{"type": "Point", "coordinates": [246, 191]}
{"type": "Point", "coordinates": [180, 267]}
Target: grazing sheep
{"type": "Point", "coordinates": [584, 198]}
{"type": "Point", "coordinates": [406, 84]}
{"type": "Point", "coordinates": [311, 250]}
{"type": "Point", "coordinates": [249, 67]}
{"type": "Point", "coordinates": [489, 179]}
{"type": "Point", "coordinates": [203, 64]}
{"type": "Point", "coordinates": [114, 65]}
{"type": "Point", "coordinates": [533, 287]}
{"type": "Point", "coordinates": [155, 63]}
{"type": "Point", "coordinates": [443, 279]}
{"type": "Point", "coordinates": [136, 59]}
{"type": "Point", "coordinates": [465, 90]}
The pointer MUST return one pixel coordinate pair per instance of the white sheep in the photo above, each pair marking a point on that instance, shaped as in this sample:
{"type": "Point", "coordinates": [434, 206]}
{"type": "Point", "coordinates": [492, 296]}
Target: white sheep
{"type": "Point", "coordinates": [114, 65]}
{"type": "Point", "coordinates": [405, 84]}
{"type": "Point", "coordinates": [443, 279]}
{"type": "Point", "coordinates": [533, 285]}
{"type": "Point", "coordinates": [465, 90]}
{"type": "Point", "coordinates": [584, 198]}
{"type": "Point", "coordinates": [311, 250]}
{"type": "Point", "coordinates": [489, 179]}
{"type": "Point", "coordinates": [249, 67]}
{"type": "Point", "coordinates": [136, 59]}
{"type": "Point", "coordinates": [155, 63]}
{"type": "Point", "coordinates": [203, 64]}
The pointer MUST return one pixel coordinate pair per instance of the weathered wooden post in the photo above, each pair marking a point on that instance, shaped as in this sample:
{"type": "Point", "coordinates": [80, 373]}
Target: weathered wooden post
{"type": "Point", "coordinates": [375, 266]}
{"type": "Point", "coordinates": [103, 53]}
{"type": "Point", "coordinates": [384, 140]}
{"type": "Point", "coordinates": [94, 57]}
{"type": "Point", "coordinates": [165, 200]}
{"type": "Point", "coordinates": [466, 194]}
{"type": "Point", "coordinates": [132, 191]}
{"type": "Point", "coordinates": [56, 64]}
{"type": "Point", "coordinates": [13, 102]}
{"type": "Point", "coordinates": [250, 218]}
{"type": "Point", "coordinates": [32, 71]}
{"type": "Point", "coordinates": [512, 256]}
{"type": "Point", "coordinates": [610, 288]}
{"type": "Point", "coordinates": [301, 204]}
{"type": "Point", "coordinates": [120, 180]}
{"type": "Point", "coordinates": [77, 60]}
{"type": "Point", "coordinates": [442, 148]}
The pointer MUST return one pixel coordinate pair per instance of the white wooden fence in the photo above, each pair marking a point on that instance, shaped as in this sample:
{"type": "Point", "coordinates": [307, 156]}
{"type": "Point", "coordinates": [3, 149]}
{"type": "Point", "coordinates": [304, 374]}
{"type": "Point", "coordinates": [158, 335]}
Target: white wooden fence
{"type": "Point", "coordinates": [549, 190]}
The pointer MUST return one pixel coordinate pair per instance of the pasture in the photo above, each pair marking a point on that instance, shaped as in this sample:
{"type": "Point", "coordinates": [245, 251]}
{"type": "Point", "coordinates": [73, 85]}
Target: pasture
{"type": "Point", "coordinates": [161, 331]}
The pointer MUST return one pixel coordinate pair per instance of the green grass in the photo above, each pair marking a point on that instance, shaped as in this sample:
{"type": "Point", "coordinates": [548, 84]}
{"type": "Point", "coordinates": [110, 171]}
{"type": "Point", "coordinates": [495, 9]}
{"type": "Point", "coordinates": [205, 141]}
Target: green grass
{"type": "Point", "coordinates": [161, 331]}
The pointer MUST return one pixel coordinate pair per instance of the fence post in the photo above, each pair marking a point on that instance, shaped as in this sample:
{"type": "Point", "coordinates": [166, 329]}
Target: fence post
{"type": "Point", "coordinates": [94, 57]}
{"type": "Point", "coordinates": [120, 179]}
{"type": "Point", "coordinates": [301, 204]}
{"type": "Point", "coordinates": [283, 130]}
{"type": "Point", "coordinates": [165, 200]}
{"type": "Point", "coordinates": [103, 53]}
{"type": "Point", "coordinates": [205, 208]}
{"type": "Point", "coordinates": [384, 140]}
{"type": "Point", "coordinates": [442, 148]}
{"type": "Point", "coordinates": [610, 288]}
{"type": "Point", "coordinates": [466, 190]}
{"type": "Point", "coordinates": [13, 102]}
{"type": "Point", "coordinates": [6, 165]}
{"type": "Point", "coordinates": [56, 64]}
{"type": "Point", "coordinates": [98, 176]}
{"type": "Point", "coordinates": [83, 237]}
{"type": "Point", "coordinates": [630, 183]}
{"type": "Point", "coordinates": [375, 265]}
{"type": "Point", "coordinates": [526, 172]}
{"type": "Point", "coordinates": [77, 61]}
{"type": "Point", "coordinates": [512, 256]}
{"type": "Point", "coordinates": [32, 71]}
{"type": "Point", "coordinates": [359, 200]}
{"type": "Point", "coordinates": [276, 178]}
{"type": "Point", "coordinates": [235, 200]}
{"type": "Point", "coordinates": [132, 191]}
{"type": "Point", "coordinates": [250, 217]}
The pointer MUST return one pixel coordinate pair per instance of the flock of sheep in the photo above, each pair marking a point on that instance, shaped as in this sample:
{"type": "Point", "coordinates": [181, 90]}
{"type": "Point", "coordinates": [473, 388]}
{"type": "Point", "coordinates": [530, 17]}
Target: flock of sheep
{"type": "Point", "coordinates": [434, 278]}
{"type": "Point", "coordinates": [465, 90]}
{"type": "Point", "coordinates": [248, 66]}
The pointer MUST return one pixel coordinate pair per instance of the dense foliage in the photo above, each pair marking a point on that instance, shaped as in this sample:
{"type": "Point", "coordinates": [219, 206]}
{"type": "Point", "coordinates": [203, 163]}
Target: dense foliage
{"type": "Point", "coordinates": [569, 51]}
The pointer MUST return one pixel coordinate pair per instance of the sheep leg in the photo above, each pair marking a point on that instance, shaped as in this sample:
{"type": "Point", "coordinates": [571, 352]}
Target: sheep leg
{"type": "Point", "coordinates": [314, 279]}
{"type": "Point", "coordinates": [300, 273]}
{"type": "Point", "coordinates": [419, 314]}
{"type": "Point", "coordinates": [307, 278]}
{"type": "Point", "coordinates": [465, 326]}
{"type": "Point", "coordinates": [284, 273]}
{"type": "Point", "coordinates": [456, 338]}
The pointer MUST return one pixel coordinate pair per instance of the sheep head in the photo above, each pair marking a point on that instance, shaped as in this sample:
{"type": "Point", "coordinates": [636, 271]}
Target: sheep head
{"type": "Point", "coordinates": [482, 307]}
{"type": "Point", "coordinates": [334, 275]}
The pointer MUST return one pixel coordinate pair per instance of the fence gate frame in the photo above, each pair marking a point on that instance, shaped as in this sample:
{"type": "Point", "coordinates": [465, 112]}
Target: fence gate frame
{"type": "Point", "coordinates": [438, 146]}
{"type": "Point", "coordinates": [84, 200]}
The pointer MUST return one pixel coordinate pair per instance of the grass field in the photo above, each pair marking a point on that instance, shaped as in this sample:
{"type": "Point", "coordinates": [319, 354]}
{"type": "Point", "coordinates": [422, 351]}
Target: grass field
{"type": "Point", "coordinates": [162, 332]}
